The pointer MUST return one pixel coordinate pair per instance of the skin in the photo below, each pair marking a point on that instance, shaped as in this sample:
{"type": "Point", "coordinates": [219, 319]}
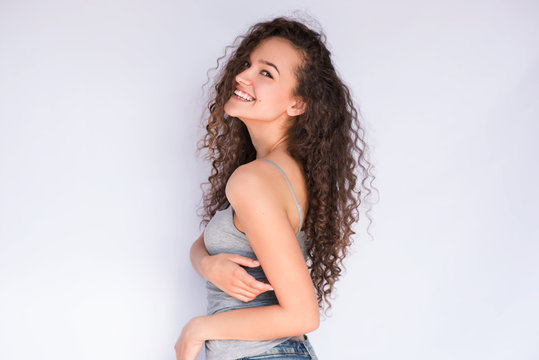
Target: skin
{"type": "Point", "coordinates": [271, 222]}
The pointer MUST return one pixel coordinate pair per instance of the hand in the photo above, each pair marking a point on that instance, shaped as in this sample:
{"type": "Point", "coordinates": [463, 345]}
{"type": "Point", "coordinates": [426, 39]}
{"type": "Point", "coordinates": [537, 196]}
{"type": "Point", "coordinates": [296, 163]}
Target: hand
{"type": "Point", "coordinates": [225, 272]}
{"type": "Point", "coordinates": [189, 343]}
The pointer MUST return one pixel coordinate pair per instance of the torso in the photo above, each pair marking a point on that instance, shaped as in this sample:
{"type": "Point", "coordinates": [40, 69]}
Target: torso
{"type": "Point", "coordinates": [221, 237]}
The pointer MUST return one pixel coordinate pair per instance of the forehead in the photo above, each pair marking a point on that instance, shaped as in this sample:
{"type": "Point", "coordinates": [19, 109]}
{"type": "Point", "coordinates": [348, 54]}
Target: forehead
{"type": "Point", "coordinates": [278, 51]}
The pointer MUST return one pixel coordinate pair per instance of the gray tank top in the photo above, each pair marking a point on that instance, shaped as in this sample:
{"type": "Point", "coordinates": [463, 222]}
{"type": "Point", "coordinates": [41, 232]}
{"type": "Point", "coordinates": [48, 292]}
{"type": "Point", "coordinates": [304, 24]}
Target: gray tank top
{"type": "Point", "coordinates": [222, 236]}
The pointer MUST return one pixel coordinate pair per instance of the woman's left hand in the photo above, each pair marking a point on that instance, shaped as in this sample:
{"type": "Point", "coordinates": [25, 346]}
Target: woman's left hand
{"type": "Point", "coordinates": [189, 343]}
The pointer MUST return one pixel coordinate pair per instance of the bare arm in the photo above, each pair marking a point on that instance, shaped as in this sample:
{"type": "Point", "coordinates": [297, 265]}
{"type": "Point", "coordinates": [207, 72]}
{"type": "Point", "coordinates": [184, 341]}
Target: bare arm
{"type": "Point", "coordinates": [199, 255]}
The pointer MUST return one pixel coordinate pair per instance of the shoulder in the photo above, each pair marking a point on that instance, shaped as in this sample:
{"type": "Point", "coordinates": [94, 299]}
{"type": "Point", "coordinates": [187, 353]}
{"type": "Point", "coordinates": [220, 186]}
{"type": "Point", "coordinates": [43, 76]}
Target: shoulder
{"type": "Point", "coordinates": [251, 181]}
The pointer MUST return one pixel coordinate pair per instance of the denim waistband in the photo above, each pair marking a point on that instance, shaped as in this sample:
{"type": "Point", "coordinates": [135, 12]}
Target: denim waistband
{"type": "Point", "coordinates": [288, 347]}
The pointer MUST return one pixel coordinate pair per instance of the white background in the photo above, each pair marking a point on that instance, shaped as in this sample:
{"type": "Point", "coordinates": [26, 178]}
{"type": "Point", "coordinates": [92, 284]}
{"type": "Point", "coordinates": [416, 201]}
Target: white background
{"type": "Point", "coordinates": [100, 105]}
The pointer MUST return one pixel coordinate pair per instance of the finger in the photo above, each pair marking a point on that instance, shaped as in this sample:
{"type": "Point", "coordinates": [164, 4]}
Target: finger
{"type": "Point", "coordinates": [251, 283]}
{"type": "Point", "coordinates": [241, 297]}
{"type": "Point", "coordinates": [248, 282]}
{"type": "Point", "coordinates": [248, 290]}
{"type": "Point", "coordinates": [245, 261]}
{"type": "Point", "coordinates": [244, 290]}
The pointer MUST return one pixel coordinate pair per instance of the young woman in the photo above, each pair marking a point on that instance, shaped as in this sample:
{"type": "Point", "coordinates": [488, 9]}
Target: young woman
{"type": "Point", "coordinates": [285, 142]}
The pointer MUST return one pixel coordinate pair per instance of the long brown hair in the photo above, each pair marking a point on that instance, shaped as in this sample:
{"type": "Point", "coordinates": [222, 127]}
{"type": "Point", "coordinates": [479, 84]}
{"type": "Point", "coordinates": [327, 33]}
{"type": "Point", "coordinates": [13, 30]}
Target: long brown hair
{"type": "Point", "coordinates": [327, 140]}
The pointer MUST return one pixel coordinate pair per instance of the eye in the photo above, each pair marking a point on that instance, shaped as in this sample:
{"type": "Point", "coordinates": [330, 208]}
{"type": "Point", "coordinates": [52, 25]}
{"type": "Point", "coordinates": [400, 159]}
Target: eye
{"type": "Point", "coordinates": [266, 73]}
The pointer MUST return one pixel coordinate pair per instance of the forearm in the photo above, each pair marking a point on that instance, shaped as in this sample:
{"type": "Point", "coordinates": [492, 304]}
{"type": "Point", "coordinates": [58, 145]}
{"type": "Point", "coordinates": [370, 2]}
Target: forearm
{"type": "Point", "coordinates": [197, 255]}
{"type": "Point", "coordinates": [256, 323]}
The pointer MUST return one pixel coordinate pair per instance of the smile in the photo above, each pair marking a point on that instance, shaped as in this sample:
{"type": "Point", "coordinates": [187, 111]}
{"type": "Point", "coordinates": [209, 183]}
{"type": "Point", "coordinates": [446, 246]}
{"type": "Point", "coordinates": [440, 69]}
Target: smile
{"type": "Point", "coordinates": [243, 96]}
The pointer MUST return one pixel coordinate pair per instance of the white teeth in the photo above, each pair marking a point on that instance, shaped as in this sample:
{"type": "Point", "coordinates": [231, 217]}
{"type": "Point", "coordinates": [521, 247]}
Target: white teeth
{"type": "Point", "coordinates": [243, 95]}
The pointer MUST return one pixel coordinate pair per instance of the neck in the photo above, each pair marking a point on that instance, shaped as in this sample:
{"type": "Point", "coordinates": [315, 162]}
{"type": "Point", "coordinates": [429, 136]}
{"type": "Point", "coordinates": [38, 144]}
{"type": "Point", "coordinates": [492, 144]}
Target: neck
{"type": "Point", "coordinates": [266, 137]}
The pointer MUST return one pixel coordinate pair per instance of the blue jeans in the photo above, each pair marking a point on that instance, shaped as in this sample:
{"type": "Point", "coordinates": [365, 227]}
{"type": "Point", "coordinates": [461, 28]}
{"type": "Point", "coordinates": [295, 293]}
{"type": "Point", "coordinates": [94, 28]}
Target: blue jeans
{"type": "Point", "coordinates": [288, 350]}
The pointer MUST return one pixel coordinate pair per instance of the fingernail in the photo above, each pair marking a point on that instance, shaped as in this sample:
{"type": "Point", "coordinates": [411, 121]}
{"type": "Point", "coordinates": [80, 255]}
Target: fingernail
{"type": "Point", "coordinates": [256, 263]}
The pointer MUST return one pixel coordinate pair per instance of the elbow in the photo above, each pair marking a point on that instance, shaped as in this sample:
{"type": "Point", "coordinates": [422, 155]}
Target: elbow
{"type": "Point", "coordinates": [313, 316]}
{"type": "Point", "coordinates": [310, 321]}
{"type": "Point", "coordinates": [301, 321]}
{"type": "Point", "coordinates": [306, 315]}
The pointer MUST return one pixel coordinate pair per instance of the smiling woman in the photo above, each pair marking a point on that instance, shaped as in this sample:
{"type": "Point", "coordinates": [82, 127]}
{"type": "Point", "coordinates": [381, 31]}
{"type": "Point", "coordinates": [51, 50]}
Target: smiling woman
{"type": "Point", "coordinates": [289, 173]}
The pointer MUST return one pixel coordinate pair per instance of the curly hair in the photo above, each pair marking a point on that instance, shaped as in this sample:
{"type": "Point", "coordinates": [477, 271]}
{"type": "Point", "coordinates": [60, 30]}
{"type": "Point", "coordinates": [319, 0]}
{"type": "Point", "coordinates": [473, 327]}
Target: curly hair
{"type": "Point", "coordinates": [327, 140]}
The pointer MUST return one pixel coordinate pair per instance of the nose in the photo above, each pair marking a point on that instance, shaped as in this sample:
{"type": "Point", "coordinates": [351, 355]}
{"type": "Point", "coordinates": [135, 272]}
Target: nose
{"type": "Point", "coordinates": [244, 77]}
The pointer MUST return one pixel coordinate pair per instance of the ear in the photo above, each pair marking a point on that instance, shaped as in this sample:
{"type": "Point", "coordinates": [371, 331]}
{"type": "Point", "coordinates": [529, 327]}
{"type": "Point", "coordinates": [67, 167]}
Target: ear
{"type": "Point", "coordinates": [296, 108]}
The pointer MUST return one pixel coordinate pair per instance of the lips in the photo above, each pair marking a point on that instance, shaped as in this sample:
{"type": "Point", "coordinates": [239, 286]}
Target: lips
{"type": "Point", "coordinates": [242, 95]}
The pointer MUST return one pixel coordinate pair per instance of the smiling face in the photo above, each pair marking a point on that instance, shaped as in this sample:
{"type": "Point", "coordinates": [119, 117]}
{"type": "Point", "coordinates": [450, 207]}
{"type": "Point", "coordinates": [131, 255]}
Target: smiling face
{"type": "Point", "coordinates": [264, 89]}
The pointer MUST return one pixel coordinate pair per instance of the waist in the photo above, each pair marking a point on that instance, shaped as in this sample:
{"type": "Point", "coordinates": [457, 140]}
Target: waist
{"type": "Point", "coordinates": [220, 301]}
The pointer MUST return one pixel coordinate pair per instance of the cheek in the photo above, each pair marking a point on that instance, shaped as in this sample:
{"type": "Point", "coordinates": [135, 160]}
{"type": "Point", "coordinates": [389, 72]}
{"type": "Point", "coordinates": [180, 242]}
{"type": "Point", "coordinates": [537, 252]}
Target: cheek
{"type": "Point", "coordinates": [283, 97]}
{"type": "Point", "coordinates": [273, 95]}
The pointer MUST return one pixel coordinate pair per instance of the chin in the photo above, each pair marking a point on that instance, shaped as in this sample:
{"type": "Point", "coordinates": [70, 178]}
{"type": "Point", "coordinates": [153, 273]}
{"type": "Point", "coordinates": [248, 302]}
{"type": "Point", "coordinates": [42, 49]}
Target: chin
{"type": "Point", "coordinates": [229, 109]}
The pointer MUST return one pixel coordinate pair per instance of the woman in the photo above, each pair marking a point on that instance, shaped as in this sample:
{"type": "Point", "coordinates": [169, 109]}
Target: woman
{"type": "Point", "coordinates": [285, 141]}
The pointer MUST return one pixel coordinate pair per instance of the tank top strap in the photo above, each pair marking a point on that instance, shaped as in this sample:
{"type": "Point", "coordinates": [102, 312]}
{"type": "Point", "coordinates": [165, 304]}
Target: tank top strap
{"type": "Point", "coordinates": [291, 189]}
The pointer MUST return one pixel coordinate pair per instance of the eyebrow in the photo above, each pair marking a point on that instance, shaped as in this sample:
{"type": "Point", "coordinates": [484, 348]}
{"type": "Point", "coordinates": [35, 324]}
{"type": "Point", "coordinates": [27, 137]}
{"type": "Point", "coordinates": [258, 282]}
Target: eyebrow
{"type": "Point", "coordinates": [270, 64]}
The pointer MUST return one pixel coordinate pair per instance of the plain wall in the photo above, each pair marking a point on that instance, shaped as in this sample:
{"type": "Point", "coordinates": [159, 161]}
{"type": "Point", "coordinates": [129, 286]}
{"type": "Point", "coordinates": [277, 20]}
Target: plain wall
{"type": "Point", "coordinates": [100, 105]}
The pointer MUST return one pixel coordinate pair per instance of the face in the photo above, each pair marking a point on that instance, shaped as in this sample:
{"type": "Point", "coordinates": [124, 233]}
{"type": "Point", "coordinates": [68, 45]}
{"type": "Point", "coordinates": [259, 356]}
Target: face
{"type": "Point", "coordinates": [264, 88]}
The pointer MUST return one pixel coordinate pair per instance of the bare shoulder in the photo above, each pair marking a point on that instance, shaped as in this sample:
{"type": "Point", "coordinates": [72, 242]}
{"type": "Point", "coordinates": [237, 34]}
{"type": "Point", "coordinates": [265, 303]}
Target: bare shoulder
{"type": "Point", "coordinates": [252, 181]}
{"type": "Point", "coordinates": [258, 173]}
{"type": "Point", "coordinates": [260, 182]}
